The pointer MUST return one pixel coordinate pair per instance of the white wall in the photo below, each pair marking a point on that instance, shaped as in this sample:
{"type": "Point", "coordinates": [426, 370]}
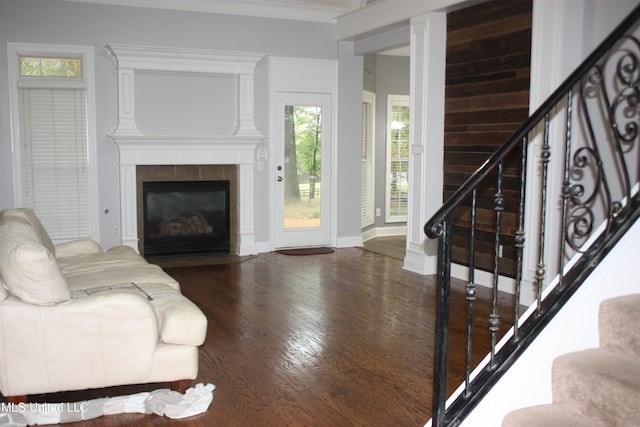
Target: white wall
{"type": "Point", "coordinates": [392, 78]}
{"type": "Point", "coordinates": [47, 21]}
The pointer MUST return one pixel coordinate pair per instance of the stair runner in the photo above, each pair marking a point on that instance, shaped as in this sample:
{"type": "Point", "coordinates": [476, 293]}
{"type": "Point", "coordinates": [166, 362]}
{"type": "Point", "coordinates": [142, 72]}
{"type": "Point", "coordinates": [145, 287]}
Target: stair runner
{"type": "Point", "coordinates": [598, 386]}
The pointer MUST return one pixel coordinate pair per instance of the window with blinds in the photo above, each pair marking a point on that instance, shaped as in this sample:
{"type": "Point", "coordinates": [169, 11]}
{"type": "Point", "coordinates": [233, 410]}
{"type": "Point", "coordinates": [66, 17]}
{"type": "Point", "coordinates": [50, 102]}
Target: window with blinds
{"type": "Point", "coordinates": [52, 163]}
{"type": "Point", "coordinates": [367, 196]}
{"type": "Point", "coordinates": [397, 158]}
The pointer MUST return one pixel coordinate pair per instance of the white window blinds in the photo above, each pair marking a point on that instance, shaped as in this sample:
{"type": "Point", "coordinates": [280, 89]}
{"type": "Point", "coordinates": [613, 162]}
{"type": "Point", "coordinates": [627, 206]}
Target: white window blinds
{"type": "Point", "coordinates": [367, 198]}
{"type": "Point", "coordinates": [397, 158]}
{"type": "Point", "coordinates": [53, 159]}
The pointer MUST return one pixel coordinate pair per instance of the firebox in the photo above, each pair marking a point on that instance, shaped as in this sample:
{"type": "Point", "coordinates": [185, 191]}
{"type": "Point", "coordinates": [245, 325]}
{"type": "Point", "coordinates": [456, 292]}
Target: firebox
{"type": "Point", "coordinates": [186, 217]}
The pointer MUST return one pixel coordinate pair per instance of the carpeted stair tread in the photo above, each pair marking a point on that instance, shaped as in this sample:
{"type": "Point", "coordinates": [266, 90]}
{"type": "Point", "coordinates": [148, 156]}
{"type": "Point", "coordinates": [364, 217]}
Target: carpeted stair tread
{"type": "Point", "coordinates": [599, 384]}
{"type": "Point", "coordinates": [550, 415]}
{"type": "Point", "coordinates": [619, 325]}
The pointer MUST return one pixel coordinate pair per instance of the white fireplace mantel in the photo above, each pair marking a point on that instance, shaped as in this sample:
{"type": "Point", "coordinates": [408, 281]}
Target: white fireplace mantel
{"type": "Point", "coordinates": [144, 150]}
{"type": "Point", "coordinates": [136, 148]}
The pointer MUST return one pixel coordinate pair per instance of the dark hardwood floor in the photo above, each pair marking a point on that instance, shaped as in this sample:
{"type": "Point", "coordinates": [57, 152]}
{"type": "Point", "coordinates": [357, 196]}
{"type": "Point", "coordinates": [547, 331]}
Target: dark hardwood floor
{"type": "Point", "coordinates": [393, 246]}
{"type": "Point", "coordinates": [344, 339]}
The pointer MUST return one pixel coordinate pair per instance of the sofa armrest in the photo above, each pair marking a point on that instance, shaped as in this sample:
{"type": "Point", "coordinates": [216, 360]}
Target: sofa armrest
{"type": "Point", "coordinates": [99, 340]}
{"type": "Point", "coordinates": [180, 321]}
{"type": "Point", "coordinates": [77, 247]}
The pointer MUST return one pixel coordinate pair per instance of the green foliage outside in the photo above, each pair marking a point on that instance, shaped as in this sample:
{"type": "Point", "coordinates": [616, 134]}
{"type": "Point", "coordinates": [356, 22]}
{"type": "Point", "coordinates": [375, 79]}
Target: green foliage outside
{"type": "Point", "coordinates": [304, 153]}
{"type": "Point", "coordinates": [50, 67]}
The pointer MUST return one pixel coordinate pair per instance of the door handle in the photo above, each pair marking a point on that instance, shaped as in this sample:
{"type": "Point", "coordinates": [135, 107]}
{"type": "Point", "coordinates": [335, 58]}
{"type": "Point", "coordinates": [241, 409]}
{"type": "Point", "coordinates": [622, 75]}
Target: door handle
{"type": "Point", "coordinates": [279, 178]}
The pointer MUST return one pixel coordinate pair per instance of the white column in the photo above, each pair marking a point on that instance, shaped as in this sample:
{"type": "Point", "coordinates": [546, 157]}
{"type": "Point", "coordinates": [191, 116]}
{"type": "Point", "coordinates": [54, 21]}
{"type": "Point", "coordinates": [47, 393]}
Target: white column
{"type": "Point", "coordinates": [126, 103]}
{"type": "Point", "coordinates": [246, 232]}
{"type": "Point", "coordinates": [246, 120]}
{"type": "Point", "coordinates": [128, 206]}
{"type": "Point", "coordinates": [426, 151]}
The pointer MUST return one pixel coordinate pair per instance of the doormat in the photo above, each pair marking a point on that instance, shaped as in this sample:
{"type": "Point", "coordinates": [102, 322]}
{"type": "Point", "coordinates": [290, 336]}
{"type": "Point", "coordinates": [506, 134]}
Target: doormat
{"type": "Point", "coordinates": [306, 251]}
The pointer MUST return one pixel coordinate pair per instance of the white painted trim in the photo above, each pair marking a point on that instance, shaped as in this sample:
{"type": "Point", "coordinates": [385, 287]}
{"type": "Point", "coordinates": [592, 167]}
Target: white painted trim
{"type": "Point", "coordinates": [426, 151]}
{"type": "Point", "coordinates": [505, 284]}
{"type": "Point", "coordinates": [372, 233]}
{"type": "Point", "coordinates": [136, 148]}
{"type": "Point", "coordinates": [385, 13]}
{"type": "Point", "coordinates": [278, 9]}
{"type": "Point", "coordinates": [389, 39]}
{"type": "Point", "coordinates": [304, 75]}
{"type": "Point", "coordinates": [188, 150]}
{"type": "Point", "coordinates": [130, 59]}
{"type": "Point", "coordinates": [370, 99]}
{"type": "Point", "coordinates": [14, 50]}
{"type": "Point", "coordinates": [349, 242]}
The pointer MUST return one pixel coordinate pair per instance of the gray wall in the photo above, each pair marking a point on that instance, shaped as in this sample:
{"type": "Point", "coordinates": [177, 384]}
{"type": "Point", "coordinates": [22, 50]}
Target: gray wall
{"type": "Point", "coordinates": [384, 75]}
{"type": "Point", "coordinates": [60, 22]}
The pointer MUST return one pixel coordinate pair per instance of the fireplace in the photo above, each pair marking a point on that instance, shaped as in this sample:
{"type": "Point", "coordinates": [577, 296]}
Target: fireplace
{"type": "Point", "coordinates": [181, 145]}
{"type": "Point", "coordinates": [186, 217]}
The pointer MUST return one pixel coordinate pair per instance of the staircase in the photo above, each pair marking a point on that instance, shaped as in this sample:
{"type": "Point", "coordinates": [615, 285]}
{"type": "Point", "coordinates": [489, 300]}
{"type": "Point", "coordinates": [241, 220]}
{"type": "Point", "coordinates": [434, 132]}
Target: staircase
{"type": "Point", "coordinates": [575, 160]}
{"type": "Point", "coordinates": [598, 386]}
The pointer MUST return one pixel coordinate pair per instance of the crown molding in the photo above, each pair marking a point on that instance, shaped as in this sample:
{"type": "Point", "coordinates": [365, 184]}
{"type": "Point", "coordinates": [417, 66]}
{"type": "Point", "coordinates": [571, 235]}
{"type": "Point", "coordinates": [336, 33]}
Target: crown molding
{"type": "Point", "coordinates": [327, 12]}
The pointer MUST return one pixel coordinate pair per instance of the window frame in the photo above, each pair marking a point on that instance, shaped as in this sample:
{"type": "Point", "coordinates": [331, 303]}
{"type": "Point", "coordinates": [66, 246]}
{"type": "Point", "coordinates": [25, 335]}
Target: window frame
{"type": "Point", "coordinates": [86, 81]}
{"type": "Point", "coordinates": [369, 98]}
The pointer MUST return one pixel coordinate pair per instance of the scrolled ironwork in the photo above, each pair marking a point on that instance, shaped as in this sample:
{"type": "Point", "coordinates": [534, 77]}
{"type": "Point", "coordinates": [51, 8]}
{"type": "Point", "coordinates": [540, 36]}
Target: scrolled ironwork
{"type": "Point", "coordinates": [617, 95]}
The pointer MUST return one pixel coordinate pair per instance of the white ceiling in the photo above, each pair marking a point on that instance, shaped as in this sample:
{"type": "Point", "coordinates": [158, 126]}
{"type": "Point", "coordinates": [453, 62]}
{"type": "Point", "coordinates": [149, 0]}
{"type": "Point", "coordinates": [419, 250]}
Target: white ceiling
{"type": "Point", "coordinates": [307, 10]}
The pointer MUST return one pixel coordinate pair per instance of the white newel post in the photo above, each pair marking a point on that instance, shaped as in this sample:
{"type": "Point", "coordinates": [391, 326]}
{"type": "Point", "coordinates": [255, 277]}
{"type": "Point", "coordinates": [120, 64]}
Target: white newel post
{"type": "Point", "coordinates": [136, 148]}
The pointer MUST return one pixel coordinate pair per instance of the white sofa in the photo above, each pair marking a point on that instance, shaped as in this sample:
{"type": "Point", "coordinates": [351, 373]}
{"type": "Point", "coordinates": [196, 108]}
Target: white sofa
{"type": "Point", "coordinates": [74, 316]}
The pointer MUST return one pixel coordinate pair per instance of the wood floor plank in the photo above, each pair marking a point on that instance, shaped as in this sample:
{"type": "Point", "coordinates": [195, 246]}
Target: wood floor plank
{"type": "Point", "coordinates": [342, 339]}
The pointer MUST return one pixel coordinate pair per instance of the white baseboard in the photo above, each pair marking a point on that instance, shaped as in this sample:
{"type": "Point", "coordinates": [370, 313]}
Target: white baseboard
{"type": "Point", "coordinates": [349, 242]}
{"type": "Point", "coordinates": [263, 247]}
{"type": "Point", "coordinates": [419, 263]}
{"type": "Point", "coordinates": [485, 278]}
{"type": "Point", "coordinates": [398, 230]}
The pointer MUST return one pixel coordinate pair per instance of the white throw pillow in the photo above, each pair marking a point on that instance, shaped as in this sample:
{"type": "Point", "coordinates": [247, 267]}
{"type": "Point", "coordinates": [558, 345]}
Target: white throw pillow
{"type": "Point", "coordinates": [29, 215]}
{"type": "Point", "coordinates": [28, 269]}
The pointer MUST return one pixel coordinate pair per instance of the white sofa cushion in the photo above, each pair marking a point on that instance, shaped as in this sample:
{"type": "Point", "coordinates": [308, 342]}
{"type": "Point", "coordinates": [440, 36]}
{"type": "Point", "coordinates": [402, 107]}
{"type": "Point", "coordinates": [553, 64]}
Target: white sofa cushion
{"type": "Point", "coordinates": [28, 269]}
{"type": "Point", "coordinates": [3, 290]}
{"type": "Point", "coordinates": [77, 247]}
{"type": "Point", "coordinates": [180, 321]}
{"type": "Point", "coordinates": [30, 217]}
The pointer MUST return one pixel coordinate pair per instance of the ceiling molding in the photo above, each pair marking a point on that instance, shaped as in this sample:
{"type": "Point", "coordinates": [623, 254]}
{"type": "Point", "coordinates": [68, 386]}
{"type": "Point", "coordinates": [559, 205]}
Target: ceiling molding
{"type": "Point", "coordinates": [307, 10]}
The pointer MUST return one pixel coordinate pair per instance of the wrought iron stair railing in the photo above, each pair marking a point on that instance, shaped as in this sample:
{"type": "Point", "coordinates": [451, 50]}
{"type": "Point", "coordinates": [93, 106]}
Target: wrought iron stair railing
{"type": "Point", "coordinates": [587, 132]}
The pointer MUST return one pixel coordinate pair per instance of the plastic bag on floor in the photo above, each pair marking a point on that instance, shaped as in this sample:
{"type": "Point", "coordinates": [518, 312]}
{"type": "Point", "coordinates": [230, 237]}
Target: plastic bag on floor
{"type": "Point", "coordinates": [164, 402]}
{"type": "Point", "coordinates": [172, 404]}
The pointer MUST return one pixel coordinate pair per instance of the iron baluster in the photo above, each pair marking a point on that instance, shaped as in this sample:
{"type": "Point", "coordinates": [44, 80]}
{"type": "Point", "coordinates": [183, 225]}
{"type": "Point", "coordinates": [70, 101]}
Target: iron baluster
{"type": "Point", "coordinates": [520, 236]}
{"type": "Point", "coordinates": [494, 318]}
{"type": "Point", "coordinates": [545, 155]}
{"type": "Point", "coordinates": [443, 298]}
{"type": "Point", "coordinates": [566, 189]}
{"type": "Point", "coordinates": [471, 290]}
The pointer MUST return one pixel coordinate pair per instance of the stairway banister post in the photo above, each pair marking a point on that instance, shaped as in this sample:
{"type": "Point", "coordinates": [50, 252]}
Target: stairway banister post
{"type": "Point", "coordinates": [441, 342]}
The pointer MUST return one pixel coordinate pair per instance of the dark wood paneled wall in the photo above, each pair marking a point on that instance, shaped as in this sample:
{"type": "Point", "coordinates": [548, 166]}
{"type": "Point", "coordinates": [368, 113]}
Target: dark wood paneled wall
{"type": "Point", "coordinates": [487, 99]}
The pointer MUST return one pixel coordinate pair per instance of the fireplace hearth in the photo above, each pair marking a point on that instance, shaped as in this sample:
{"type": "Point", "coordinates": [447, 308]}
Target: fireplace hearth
{"type": "Point", "coordinates": [186, 218]}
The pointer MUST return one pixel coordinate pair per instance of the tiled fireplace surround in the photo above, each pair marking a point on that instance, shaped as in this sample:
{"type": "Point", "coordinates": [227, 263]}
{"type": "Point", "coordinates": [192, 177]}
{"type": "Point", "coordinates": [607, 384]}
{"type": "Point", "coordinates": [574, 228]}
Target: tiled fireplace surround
{"type": "Point", "coordinates": [155, 173]}
{"type": "Point", "coordinates": [165, 157]}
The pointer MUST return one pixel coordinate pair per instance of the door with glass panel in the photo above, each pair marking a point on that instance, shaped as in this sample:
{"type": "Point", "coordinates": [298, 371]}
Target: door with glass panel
{"type": "Point", "coordinates": [302, 154]}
